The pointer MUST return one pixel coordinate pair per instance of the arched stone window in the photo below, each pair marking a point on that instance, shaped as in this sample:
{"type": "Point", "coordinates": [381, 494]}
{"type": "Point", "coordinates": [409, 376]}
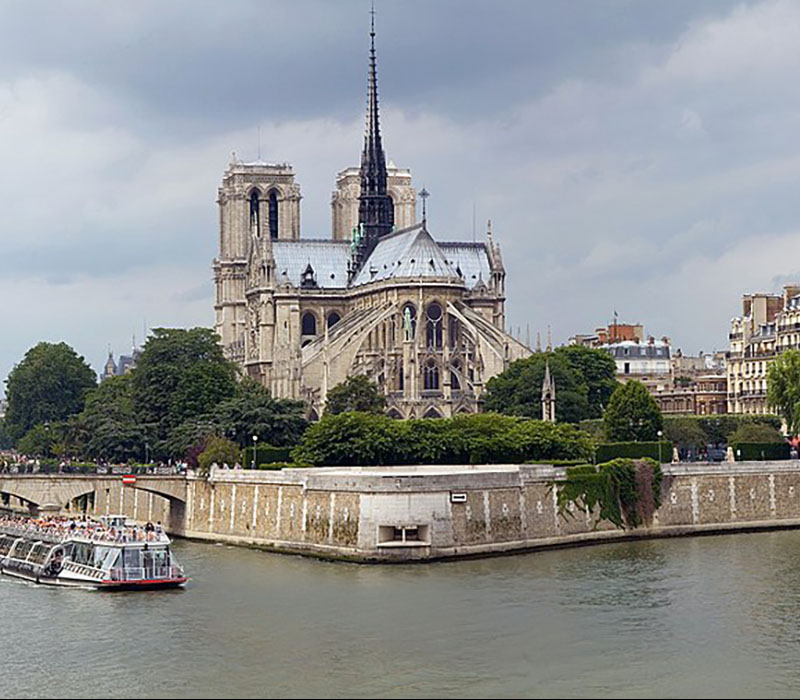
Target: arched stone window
{"type": "Point", "coordinates": [431, 376]}
{"type": "Point", "coordinates": [333, 319]}
{"type": "Point", "coordinates": [255, 215]}
{"type": "Point", "coordinates": [433, 329]}
{"type": "Point", "coordinates": [273, 215]}
{"type": "Point", "coordinates": [432, 413]}
{"type": "Point", "coordinates": [455, 383]}
{"type": "Point", "coordinates": [309, 324]}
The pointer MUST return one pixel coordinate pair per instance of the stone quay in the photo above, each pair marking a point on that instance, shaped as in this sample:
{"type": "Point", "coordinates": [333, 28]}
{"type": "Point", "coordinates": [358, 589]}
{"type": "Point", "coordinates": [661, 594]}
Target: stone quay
{"type": "Point", "coordinates": [421, 513]}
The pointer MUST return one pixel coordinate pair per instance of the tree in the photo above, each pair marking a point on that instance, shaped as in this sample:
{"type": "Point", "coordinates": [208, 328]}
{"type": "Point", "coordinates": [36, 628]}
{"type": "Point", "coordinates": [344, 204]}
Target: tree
{"type": "Point", "coordinates": [355, 393]}
{"type": "Point", "coordinates": [48, 385]}
{"type": "Point", "coordinates": [755, 432]}
{"type": "Point", "coordinates": [252, 411]}
{"type": "Point", "coordinates": [181, 374]}
{"type": "Point", "coordinates": [518, 390]}
{"type": "Point", "coordinates": [597, 370]}
{"type": "Point", "coordinates": [115, 434]}
{"type": "Point", "coordinates": [783, 389]}
{"type": "Point", "coordinates": [632, 414]}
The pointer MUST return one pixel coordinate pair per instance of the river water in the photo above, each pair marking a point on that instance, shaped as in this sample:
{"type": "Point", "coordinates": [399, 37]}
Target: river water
{"type": "Point", "coordinates": [702, 617]}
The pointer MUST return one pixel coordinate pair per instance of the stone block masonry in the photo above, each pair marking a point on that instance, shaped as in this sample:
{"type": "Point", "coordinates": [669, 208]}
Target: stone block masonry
{"type": "Point", "coordinates": [390, 514]}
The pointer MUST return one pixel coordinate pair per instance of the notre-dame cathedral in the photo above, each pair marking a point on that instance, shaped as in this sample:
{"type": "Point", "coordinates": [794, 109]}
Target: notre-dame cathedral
{"type": "Point", "coordinates": [423, 318]}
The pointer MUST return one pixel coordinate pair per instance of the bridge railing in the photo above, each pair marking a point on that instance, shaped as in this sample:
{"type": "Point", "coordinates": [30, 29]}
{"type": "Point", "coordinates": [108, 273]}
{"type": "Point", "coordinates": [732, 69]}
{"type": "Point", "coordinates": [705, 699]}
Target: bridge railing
{"type": "Point", "coordinates": [91, 469]}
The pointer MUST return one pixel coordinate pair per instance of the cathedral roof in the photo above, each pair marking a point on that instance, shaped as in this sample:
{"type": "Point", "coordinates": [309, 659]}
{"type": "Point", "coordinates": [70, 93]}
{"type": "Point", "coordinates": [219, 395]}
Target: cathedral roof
{"type": "Point", "coordinates": [327, 258]}
{"type": "Point", "coordinates": [410, 252]}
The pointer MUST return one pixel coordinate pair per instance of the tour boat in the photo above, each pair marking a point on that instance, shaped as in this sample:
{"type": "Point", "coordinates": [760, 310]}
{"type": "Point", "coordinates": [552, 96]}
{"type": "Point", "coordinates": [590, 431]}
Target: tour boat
{"type": "Point", "coordinates": [108, 554]}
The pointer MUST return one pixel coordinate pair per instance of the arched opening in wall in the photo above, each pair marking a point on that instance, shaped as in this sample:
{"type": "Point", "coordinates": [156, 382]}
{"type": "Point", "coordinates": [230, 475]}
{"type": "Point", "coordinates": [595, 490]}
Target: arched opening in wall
{"type": "Point", "coordinates": [433, 330]}
{"type": "Point", "coordinates": [333, 319]}
{"type": "Point", "coordinates": [273, 215]}
{"type": "Point", "coordinates": [432, 413]}
{"type": "Point", "coordinates": [455, 382]}
{"type": "Point", "coordinates": [255, 215]}
{"type": "Point", "coordinates": [452, 331]}
{"type": "Point", "coordinates": [313, 416]}
{"type": "Point", "coordinates": [408, 319]}
{"type": "Point", "coordinates": [395, 413]}
{"type": "Point", "coordinates": [309, 324]}
{"type": "Point", "coordinates": [430, 380]}
{"type": "Point", "coordinates": [400, 375]}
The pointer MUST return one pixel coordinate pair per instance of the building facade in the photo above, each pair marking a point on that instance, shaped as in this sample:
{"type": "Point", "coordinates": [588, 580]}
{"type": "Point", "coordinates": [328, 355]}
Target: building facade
{"type": "Point", "coordinates": [423, 318]}
{"type": "Point", "coordinates": [769, 324]}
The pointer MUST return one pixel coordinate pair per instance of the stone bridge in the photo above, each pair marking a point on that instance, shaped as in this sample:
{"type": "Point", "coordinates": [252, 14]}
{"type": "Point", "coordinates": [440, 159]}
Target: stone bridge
{"type": "Point", "coordinates": [52, 492]}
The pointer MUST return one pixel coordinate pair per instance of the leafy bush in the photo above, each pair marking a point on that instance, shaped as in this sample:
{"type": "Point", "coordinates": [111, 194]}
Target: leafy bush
{"type": "Point", "coordinates": [625, 492]}
{"type": "Point", "coordinates": [365, 439]}
{"type": "Point", "coordinates": [219, 450]}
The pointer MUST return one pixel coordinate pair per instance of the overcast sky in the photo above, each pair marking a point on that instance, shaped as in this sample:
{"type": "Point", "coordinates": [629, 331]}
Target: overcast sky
{"type": "Point", "coordinates": [642, 156]}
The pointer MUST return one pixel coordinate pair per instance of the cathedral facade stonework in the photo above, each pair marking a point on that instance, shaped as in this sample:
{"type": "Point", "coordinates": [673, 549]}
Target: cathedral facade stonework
{"type": "Point", "coordinates": [381, 297]}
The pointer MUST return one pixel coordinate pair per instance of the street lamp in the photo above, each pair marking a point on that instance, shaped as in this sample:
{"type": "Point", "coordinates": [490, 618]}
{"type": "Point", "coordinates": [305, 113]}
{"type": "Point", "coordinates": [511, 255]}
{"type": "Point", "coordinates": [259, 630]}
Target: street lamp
{"type": "Point", "coordinates": [255, 441]}
{"type": "Point", "coordinates": [659, 433]}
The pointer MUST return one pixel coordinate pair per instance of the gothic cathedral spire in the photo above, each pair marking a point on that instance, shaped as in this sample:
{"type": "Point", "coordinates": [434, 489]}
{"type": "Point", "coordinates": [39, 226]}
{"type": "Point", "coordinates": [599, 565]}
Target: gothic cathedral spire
{"type": "Point", "coordinates": [375, 210]}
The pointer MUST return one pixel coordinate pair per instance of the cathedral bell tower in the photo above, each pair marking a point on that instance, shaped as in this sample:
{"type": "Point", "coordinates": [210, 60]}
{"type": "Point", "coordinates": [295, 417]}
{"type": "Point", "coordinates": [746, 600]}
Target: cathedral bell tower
{"type": "Point", "coordinates": [376, 209]}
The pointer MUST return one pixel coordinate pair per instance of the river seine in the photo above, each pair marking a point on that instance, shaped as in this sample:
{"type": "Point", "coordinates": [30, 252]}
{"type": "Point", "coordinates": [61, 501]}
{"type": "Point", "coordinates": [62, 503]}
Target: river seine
{"type": "Point", "coordinates": [702, 617]}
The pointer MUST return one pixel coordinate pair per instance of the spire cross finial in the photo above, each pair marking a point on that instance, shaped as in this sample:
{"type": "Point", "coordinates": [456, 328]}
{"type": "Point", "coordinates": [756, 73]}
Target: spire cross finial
{"type": "Point", "coordinates": [424, 194]}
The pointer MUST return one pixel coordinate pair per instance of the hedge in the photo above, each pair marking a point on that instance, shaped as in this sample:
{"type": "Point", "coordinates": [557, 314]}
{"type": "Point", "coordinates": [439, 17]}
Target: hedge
{"type": "Point", "coordinates": [265, 454]}
{"type": "Point", "coordinates": [346, 439]}
{"type": "Point", "coordinates": [607, 451]}
{"type": "Point", "coordinates": [757, 451]}
{"type": "Point", "coordinates": [715, 428]}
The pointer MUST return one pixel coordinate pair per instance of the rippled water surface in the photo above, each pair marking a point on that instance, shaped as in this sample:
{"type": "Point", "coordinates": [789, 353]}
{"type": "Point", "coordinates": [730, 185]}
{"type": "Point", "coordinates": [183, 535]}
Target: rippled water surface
{"type": "Point", "coordinates": [707, 617]}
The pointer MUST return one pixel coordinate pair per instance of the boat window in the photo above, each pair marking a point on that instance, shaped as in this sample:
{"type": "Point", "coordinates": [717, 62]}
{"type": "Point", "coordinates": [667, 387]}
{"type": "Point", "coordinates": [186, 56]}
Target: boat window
{"type": "Point", "coordinates": [104, 557]}
{"type": "Point", "coordinates": [83, 553]}
{"type": "Point", "coordinates": [132, 558]}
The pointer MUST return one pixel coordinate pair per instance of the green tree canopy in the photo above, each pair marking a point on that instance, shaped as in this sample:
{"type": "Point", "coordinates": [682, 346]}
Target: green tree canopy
{"type": "Point", "coordinates": [518, 390]}
{"type": "Point", "coordinates": [783, 389]}
{"type": "Point", "coordinates": [180, 375]}
{"type": "Point", "coordinates": [356, 393]}
{"type": "Point", "coordinates": [597, 370]}
{"type": "Point", "coordinates": [755, 432]}
{"type": "Point", "coordinates": [114, 432]}
{"type": "Point", "coordinates": [632, 414]}
{"type": "Point", "coordinates": [251, 411]}
{"type": "Point", "coordinates": [48, 385]}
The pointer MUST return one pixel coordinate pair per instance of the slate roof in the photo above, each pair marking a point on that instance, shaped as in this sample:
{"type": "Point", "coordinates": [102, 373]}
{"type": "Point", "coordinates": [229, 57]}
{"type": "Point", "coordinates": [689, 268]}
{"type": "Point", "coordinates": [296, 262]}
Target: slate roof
{"type": "Point", "coordinates": [408, 253]}
{"type": "Point", "coordinates": [328, 258]}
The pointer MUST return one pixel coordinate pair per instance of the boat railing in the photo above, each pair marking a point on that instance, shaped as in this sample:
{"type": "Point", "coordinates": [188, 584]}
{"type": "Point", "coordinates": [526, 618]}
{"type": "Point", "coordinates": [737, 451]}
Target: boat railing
{"type": "Point", "coordinates": [146, 573]}
{"type": "Point", "coordinates": [32, 533]}
{"type": "Point", "coordinates": [83, 570]}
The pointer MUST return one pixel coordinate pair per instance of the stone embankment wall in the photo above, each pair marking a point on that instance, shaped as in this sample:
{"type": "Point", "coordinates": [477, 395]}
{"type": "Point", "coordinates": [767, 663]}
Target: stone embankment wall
{"type": "Point", "coordinates": [407, 513]}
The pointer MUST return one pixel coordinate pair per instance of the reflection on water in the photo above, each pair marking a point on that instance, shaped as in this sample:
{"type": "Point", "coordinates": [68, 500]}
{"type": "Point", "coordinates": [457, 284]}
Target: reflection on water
{"type": "Point", "coordinates": [708, 617]}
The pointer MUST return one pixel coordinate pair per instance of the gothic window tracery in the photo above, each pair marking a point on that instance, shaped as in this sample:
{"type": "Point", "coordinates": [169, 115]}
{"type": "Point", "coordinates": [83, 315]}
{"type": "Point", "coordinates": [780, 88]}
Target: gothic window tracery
{"type": "Point", "coordinates": [255, 215]}
{"type": "Point", "coordinates": [431, 376]}
{"type": "Point", "coordinates": [273, 215]}
{"type": "Point", "coordinates": [433, 330]}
